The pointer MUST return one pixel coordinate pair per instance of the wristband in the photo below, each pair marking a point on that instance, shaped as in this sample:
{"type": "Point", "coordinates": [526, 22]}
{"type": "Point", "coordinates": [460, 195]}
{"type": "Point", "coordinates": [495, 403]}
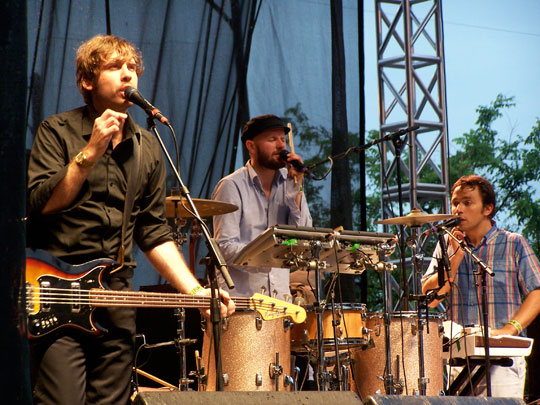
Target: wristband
{"type": "Point", "coordinates": [301, 188]}
{"type": "Point", "coordinates": [195, 290]}
{"type": "Point", "coordinates": [516, 325]}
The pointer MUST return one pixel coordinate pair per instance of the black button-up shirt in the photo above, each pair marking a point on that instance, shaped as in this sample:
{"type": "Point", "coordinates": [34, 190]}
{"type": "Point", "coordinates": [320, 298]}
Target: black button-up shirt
{"type": "Point", "coordinates": [91, 227]}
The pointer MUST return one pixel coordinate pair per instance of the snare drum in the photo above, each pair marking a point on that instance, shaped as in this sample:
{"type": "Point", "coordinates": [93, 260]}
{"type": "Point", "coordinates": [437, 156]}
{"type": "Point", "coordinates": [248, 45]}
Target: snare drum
{"type": "Point", "coordinates": [255, 353]}
{"type": "Point", "coordinates": [370, 364]}
{"type": "Point", "coordinates": [350, 331]}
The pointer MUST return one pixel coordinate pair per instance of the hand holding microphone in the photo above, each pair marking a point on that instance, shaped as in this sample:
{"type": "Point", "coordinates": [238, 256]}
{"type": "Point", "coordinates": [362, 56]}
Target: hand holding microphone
{"type": "Point", "coordinates": [297, 164]}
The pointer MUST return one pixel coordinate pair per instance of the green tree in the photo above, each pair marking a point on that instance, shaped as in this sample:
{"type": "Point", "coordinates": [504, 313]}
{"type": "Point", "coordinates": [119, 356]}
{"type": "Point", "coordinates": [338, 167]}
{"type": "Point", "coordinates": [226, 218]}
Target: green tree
{"type": "Point", "coordinates": [512, 164]}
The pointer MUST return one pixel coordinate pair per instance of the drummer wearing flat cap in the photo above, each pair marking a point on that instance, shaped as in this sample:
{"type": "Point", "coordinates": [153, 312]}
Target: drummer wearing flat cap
{"type": "Point", "coordinates": [268, 191]}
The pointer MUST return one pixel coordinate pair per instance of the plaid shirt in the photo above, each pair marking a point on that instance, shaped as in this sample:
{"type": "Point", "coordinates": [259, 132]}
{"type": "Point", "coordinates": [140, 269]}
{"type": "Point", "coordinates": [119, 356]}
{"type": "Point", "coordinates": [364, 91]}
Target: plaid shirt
{"type": "Point", "coordinates": [516, 269]}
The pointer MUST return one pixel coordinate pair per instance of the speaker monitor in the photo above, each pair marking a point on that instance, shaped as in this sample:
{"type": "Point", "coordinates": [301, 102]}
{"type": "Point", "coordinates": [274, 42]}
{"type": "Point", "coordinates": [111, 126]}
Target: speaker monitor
{"type": "Point", "coordinates": [247, 398]}
{"type": "Point", "coordinates": [450, 400]}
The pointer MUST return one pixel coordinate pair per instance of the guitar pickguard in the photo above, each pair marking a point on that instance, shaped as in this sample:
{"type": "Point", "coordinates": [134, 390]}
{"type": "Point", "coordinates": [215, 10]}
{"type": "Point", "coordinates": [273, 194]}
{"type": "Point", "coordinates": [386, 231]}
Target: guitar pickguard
{"type": "Point", "coordinates": [56, 299]}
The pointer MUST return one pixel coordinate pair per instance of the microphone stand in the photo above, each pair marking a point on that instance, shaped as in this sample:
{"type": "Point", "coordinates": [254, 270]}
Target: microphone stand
{"type": "Point", "coordinates": [483, 269]}
{"type": "Point", "coordinates": [215, 259]}
{"type": "Point", "coordinates": [357, 149]}
{"type": "Point", "coordinates": [398, 146]}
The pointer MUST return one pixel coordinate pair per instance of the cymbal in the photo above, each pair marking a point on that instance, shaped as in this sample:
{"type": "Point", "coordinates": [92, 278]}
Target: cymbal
{"type": "Point", "coordinates": [206, 208]}
{"type": "Point", "coordinates": [415, 218]}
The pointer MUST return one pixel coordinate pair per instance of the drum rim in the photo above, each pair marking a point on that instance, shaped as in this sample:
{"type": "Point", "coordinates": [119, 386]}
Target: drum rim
{"type": "Point", "coordinates": [406, 315]}
{"type": "Point", "coordinates": [327, 307]}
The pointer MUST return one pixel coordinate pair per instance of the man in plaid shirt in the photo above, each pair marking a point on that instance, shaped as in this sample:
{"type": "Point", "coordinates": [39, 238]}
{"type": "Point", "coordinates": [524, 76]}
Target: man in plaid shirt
{"type": "Point", "coordinates": [513, 294]}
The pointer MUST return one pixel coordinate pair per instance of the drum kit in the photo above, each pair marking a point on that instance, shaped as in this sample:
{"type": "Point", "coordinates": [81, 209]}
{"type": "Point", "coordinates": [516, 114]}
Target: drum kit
{"type": "Point", "coordinates": [347, 347]}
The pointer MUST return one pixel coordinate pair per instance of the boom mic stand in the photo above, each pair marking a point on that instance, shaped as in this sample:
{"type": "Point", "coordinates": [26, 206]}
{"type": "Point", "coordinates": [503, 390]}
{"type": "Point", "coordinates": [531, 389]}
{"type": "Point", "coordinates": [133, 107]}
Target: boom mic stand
{"type": "Point", "coordinates": [483, 269]}
{"type": "Point", "coordinates": [215, 259]}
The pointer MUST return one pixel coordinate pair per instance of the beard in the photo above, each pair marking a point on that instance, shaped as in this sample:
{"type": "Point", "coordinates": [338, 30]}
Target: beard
{"type": "Point", "coordinates": [270, 161]}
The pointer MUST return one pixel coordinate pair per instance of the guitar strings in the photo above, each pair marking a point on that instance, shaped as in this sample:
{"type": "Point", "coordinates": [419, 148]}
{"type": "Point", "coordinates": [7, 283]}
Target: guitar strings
{"type": "Point", "coordinates": [98, 297]}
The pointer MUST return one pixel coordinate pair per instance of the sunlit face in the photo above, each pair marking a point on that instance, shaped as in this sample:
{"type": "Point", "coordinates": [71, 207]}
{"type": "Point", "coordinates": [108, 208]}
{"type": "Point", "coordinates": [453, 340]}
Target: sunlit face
{"type": "Point", "coordinates": [264, 148]}
{"type": "Point", "coordinates": [467, 203]}
{"type": "Point", "coordinates": [108, 88]}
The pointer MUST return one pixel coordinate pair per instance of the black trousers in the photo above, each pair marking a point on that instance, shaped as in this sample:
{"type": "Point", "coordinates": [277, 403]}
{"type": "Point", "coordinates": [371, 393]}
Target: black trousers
{"type": "Point", "coordinates": [76, 368]}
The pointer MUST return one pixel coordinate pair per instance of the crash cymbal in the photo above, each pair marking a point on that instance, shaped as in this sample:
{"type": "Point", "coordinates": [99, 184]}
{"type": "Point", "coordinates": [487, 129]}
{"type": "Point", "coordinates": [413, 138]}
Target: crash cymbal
{"type": "Point", "coordinates": [206, 208]}
{"type": "Point", "coordinates": [415, 218]}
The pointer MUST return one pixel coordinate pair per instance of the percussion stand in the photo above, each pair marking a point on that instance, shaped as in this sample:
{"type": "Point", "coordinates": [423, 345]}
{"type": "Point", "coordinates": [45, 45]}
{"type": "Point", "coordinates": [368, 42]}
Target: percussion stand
{"type": "Point", "coordinates": [214, 259]}
{"type": "Point", "coordinates": [341, 378]}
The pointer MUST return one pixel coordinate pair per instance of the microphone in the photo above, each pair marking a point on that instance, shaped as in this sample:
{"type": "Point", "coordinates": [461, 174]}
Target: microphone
{"type": "Point", "coordinates": [133, 95]}
{"type": "Point", "coordinates": [294, 163]}
{"type": "Point", "coordinates": [449, 223]}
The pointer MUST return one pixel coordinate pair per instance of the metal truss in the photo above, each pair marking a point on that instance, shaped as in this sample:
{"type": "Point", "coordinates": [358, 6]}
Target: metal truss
{"type": "Point", "coordinates": [410, 67]}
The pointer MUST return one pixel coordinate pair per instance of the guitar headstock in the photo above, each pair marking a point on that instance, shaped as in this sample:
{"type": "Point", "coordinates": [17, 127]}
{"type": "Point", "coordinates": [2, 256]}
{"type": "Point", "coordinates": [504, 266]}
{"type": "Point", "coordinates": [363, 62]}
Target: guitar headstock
{"type": "Point", "coordinates": [272, 308]}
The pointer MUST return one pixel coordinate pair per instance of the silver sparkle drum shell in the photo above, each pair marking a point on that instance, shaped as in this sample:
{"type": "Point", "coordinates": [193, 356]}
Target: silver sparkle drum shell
{"type": "Point", "coordinates": [369, 364]}
{"type": "Point", "coordinates": [249, 347]}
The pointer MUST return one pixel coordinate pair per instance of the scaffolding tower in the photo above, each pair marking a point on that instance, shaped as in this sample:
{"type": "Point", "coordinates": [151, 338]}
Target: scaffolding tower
{"type": "Point", "coordinates": [411, 80]}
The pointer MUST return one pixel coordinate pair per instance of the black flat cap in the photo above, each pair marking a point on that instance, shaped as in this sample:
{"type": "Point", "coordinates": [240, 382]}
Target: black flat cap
{"type": "Point", "coordinates": [260, 124]}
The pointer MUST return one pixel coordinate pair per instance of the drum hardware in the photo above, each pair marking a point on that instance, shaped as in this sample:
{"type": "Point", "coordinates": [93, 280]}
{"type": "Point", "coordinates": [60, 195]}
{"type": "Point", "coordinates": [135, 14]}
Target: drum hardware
{"type": "Point", "coordinates": [275, 370]}
{"type": "Point", "coordinates": [287, 324]}
{"type": "Point", "coordinates": [199, 373]}
{"type": "Point", "coordinates": [181, 343]}
{"type": "Point", "coordinates": [258, 323]}
{"type": "Point", "coordinates": [225, 378]}
{"type": "Point", "coordinates": [289, 381]}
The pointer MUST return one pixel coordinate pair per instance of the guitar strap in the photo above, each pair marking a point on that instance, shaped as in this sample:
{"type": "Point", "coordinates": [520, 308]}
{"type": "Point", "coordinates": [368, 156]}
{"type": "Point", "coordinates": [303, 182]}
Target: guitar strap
{"type": "Point", "coordinates": [133, 174]}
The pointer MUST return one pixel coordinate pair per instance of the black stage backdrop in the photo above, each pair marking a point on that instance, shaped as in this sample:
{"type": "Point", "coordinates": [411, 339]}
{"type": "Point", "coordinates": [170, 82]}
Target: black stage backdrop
{"type": "Point", "coordinates": [195, 55]}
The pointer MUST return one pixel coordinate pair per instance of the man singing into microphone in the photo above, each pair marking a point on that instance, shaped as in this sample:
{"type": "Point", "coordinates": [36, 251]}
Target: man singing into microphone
{"type": "Point", "coordinates": [78, 175]}
{"type": "Point", "coordinates": [268, 191]}
{"type": "Point", "coordinates": [516, 275]}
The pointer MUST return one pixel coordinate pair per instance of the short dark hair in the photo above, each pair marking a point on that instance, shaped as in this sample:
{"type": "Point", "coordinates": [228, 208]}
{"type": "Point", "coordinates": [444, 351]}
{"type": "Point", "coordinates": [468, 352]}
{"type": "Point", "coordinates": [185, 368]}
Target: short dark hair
{"type": "Point", "coordinates": [484, 187]}
{"type": "Point", "coordinates": [261, 123]}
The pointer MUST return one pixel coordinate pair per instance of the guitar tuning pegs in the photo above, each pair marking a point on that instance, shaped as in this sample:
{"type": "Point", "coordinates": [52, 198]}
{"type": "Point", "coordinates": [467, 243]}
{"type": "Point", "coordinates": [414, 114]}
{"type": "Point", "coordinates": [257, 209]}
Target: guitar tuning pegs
{"type": "Point", "coordinates": [287, 297]}
{"type": "Point", "coordinates": [274, 293]}
{"type": "Point", "coordinates": [263, 289]}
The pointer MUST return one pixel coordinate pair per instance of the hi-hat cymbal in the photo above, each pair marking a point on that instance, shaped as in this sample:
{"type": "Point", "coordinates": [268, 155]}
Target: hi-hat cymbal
{"type": "Point", "coordinates": [415, 218]}
{"type": "Point", "coordinates": [206, 208]}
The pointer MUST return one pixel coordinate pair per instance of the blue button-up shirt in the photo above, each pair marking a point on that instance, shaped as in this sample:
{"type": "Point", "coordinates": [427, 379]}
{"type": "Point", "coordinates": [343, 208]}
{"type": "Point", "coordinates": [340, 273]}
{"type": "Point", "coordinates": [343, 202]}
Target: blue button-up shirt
{"type": "Point", "coordinates": [516, 269]}
{"type": "Point", "coordinates": [255, 214]}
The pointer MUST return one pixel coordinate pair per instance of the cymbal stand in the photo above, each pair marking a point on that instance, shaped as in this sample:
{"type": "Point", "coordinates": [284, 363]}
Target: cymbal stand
{"type": "Point", "coordinates": [389, 387]}
{"type": "Point", "coordinates": [421, 306]}
{"type": "Point", "coordinates": [322, 375]}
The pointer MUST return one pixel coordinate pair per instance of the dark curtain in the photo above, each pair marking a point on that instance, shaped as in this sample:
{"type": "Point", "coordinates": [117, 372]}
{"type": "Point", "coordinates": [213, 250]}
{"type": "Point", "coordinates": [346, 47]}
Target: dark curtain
{"type": "Point", "coordinates": [191, 50]}
{"type": "Point", "coordinates": [195, 55]}
{"type": "Point", "coordinates": [341, 195]}
{"type": "Point", "coordinates": [15, 377]}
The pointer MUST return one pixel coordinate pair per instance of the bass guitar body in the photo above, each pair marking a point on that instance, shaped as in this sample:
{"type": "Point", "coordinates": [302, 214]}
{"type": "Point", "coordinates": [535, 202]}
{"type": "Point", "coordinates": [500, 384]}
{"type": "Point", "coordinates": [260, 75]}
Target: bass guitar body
{"type": "Point", "coordinates": [58, 294]}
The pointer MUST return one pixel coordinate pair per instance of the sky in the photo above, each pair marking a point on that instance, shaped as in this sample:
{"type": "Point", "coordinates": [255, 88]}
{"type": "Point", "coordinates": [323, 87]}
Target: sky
{"type": "Point", "coordinates": [492, 47]}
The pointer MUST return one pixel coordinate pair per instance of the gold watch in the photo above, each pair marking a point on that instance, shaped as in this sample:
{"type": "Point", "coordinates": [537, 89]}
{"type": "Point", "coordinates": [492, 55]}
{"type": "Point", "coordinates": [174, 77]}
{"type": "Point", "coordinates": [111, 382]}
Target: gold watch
{"type": "Point", "coordinates": [82, 160]}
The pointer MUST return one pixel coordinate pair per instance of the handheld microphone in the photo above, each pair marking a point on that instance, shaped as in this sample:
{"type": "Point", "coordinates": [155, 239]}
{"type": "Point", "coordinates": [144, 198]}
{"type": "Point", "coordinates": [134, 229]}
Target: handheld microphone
{"type": "Point", "coordinates": [133, 95]}
{"type": "Point", "coordinates": [450, 223]}
{"type": "Point", "coordinates": [294, 163]}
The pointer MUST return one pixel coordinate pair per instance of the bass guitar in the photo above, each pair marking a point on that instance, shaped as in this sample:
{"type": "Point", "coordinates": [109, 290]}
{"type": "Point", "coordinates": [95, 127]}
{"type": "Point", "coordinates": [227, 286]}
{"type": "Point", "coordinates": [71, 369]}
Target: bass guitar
{"type": "Point", "coordinates": [61, 295]}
